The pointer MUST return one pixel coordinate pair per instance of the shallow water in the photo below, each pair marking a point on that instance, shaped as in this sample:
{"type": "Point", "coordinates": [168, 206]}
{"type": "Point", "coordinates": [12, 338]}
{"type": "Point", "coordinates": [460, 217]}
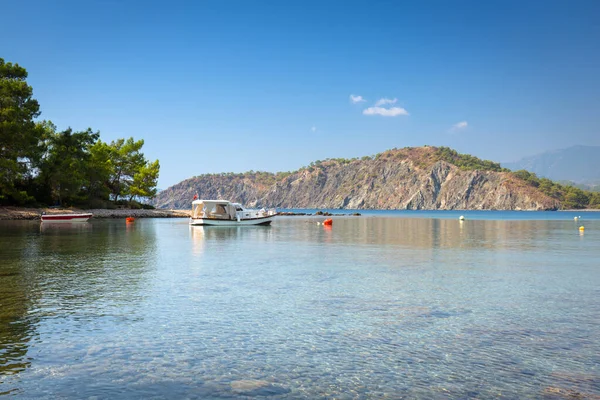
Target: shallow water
{"type": "Point", "coordinates": [377, 306]}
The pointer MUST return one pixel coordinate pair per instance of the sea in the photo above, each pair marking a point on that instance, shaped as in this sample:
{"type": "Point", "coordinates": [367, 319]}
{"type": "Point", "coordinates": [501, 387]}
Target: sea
{"type": "Point", "coordinates": [385, 305]}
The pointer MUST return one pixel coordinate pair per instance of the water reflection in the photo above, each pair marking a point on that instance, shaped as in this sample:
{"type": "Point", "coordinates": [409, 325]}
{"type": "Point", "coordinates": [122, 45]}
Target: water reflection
{"type": "Point", "coordinates": [201, 234]}
{"type": "Point", "coordinates": [68, 275]}
{"type": "Point", "coordinates": [370, 307]}
{"type": "Point", "coordinates": [433, 233]}
{"type": "Point", "coordinates": [17, 294]}
{"type": "Point", "coordinates": [65, 227]}
{"type": "Point", "coordinates": [197, 235]}
{"type": "Point", "coordinates": [16, 328]}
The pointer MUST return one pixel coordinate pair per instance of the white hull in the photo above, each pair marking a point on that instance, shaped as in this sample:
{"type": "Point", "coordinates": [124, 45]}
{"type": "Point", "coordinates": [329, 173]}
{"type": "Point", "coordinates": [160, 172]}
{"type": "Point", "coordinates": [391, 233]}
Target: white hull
{"type": "Point", "coordinates": [65, 218]}
{"type": "Point", "coordinates": [226, 213]}
{"type": "Point", "coordinates": [228, 222]}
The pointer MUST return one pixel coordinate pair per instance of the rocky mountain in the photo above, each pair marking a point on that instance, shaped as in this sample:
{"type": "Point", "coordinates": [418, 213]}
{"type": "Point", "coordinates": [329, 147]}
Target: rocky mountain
{"type": "Point", "coordinates": [579, 164]}
{"type": "Point", "coordinates": [410, 178]}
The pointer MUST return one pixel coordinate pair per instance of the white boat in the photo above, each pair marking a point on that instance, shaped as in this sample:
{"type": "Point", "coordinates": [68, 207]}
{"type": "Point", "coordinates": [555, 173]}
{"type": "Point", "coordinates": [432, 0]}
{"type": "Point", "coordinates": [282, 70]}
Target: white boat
{"type": "Point", "coordinates": [226, 213]}
{"type": "Point", "coordinates": [66, 217]}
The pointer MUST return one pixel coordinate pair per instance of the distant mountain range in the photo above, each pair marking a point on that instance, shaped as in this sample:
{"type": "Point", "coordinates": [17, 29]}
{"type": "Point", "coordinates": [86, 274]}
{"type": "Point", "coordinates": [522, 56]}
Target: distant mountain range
{"type": "Point", "coordinates": [433, 178]}
{"type": "Point", "coordinates": [579, 164]}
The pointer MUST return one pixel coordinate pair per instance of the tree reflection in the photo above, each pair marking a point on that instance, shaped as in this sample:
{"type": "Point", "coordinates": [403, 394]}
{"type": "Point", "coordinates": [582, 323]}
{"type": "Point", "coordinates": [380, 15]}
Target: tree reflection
{"type": "Point", "coordinates": [16, 297]}
{"type": "Point", "coordinates": [72, 273]}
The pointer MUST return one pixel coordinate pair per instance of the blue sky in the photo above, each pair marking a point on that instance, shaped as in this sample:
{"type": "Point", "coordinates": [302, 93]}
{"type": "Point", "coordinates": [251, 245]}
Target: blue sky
{"type": "Point", "coordinates": [219, 86]}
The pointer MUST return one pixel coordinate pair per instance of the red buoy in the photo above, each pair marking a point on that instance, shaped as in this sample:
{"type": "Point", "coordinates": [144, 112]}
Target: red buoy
{"type": "Point", "coordinates": [328, 222]}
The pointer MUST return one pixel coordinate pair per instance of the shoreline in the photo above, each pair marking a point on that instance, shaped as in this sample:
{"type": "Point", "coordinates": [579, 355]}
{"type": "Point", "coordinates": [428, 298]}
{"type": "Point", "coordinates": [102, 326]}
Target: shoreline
{"type": "Point", "coordinates": [22, 213]}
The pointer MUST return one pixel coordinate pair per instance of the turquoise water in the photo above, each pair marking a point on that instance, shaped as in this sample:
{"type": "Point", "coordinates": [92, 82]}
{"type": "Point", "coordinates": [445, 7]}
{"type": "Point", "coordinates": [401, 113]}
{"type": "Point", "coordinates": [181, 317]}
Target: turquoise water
{"type": "Point", "coordinates": [385, 305]}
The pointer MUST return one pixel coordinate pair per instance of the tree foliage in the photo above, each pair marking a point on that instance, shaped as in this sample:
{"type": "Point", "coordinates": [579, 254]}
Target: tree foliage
{"type": "Point", "coordinates": [19, 134]}
{"type": "Point", "coordinates": [144, 181]}
{"type": "Point", "coordinates": [570, 197]}
{"type": "Point", "coordinates": [100, 170]}
{"type": "Point", "coordinates": [64, 170]}
{"type": "Point", "coordinates": [467, 161]}
{"type": "Point", "coordinates": [38, 164]}
{"type": "Point", "coordinates": [127, 160]}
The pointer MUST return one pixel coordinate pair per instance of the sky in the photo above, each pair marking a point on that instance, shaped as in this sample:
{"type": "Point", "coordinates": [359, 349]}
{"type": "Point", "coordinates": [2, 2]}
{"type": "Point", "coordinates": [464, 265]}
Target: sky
{"type": "Point", "coordinates": [232, 86]}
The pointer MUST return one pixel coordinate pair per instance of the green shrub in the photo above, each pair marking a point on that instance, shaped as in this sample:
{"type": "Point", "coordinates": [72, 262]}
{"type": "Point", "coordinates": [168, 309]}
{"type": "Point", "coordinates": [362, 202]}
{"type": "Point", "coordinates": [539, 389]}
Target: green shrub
{"type": "Point", "coordinates": [467, 161]}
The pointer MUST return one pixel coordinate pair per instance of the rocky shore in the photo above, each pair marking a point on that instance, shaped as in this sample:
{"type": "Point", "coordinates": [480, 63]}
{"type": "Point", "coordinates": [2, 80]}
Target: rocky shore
{"type": "Point", "coordinates": [20, 213]}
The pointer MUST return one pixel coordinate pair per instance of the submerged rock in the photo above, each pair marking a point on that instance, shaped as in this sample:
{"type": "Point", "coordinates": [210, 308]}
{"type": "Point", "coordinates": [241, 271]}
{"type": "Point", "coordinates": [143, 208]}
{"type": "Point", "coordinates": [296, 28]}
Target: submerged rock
{"type": "Point", "coordinates": [246, 385]}
{"type": "Point", "coordinates": [561, 393]}
{"type": "Point", "coordinates": [252, 387]}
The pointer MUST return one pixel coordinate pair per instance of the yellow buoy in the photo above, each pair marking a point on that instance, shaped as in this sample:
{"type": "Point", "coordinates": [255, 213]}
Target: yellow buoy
{"type": "Point", "coordinates": [581, 228]}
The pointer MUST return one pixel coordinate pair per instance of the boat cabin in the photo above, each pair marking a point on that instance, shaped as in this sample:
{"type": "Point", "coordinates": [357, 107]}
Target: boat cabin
{"type": "Point", "coordinates": [226, 213]}
{"type": "Point", "coordinates": [215, 209]}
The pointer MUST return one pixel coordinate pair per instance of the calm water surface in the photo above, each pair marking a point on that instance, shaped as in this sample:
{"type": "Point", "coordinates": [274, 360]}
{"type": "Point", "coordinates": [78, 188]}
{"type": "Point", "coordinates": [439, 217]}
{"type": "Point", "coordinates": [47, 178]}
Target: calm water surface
{"type": "Point", "coordinates": [377, 306]}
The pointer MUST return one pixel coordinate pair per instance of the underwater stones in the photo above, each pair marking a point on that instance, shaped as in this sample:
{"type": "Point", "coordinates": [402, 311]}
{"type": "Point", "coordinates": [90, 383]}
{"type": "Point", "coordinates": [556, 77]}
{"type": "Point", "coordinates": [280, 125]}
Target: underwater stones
{"type": "Point", "coordinates": [255, 387]}
{"type": "Point", "coordinates": [561, 393]}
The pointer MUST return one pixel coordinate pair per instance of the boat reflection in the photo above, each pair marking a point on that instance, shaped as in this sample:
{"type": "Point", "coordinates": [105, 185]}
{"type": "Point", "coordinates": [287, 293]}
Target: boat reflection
{"type": "Point", "coordinates": [197, 235]}
{"type": "Point", "coordinates": [201, 234]}
{"type": "Point", "coordinates": [65, 227]}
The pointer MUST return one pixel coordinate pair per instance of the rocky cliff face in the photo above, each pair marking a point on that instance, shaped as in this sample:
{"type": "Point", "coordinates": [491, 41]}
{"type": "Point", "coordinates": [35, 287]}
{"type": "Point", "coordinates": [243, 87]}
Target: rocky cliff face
{"type": "Point", "coordinates": [396, 179]}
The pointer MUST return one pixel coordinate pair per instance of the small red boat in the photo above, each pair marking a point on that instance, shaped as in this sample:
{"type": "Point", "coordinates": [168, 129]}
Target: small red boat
{"type": "Point", "coordinates": [66, 217]}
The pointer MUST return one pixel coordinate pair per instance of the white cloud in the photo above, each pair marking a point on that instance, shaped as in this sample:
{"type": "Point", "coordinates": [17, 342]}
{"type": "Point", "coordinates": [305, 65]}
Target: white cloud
{"type": "Point", "coordinates": [459, 126]}
{"type": "Point", "coordinates": [313, 129]}
{"type": "Point", "coordinates": [355, 99]}
{"type": "Point", "coordinates": [385, 112]}
{"type": "Point", "coordinates": [383, 101]}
